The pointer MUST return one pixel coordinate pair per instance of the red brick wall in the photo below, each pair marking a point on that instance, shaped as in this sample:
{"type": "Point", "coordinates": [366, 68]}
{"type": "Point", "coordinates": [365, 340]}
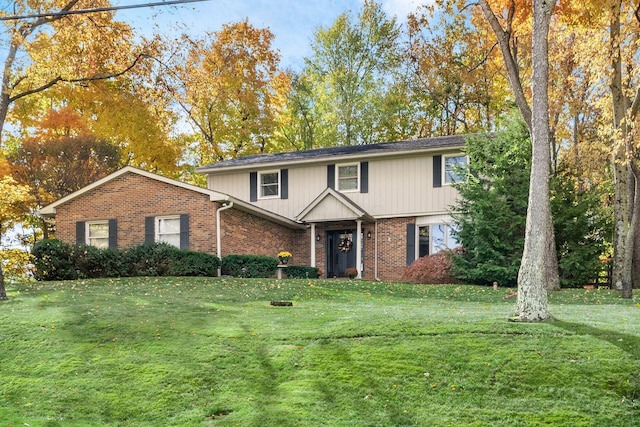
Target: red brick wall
{"type": "Point", "coordinates": [392, 247]}
{"type": "Point", "coordinates": [243, 233]}
{"type": "Point", "coordinates": [130, 198]}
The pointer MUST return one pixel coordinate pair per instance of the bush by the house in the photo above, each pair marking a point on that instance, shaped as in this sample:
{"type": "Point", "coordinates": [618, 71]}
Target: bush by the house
{"type": "Point", "coordinates": [150, 259]}
{"type": "Point", "coordinates": [430, 269]}
{"type": "Point", "coordinates": [191, 263]}
{"type": "Point", "coordinates": [92, 263]}
{"type": "Point", "coordinates": [53, 260]}
{"type": "Point", "coordinates": [249, 266]}
{"type": "Point", "coordinates": [56, 260]}
{"type": "Point", "coordinates": [301, 272]}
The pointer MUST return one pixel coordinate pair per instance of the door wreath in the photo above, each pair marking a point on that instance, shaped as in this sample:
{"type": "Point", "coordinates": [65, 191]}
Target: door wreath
{"type": "Point", "coordinates": [345, 244]}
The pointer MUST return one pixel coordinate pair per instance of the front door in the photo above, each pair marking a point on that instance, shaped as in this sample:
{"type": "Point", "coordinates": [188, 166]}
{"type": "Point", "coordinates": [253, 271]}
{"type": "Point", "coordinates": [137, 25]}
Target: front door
{"type": "Point", "coordinates": [341, 252]}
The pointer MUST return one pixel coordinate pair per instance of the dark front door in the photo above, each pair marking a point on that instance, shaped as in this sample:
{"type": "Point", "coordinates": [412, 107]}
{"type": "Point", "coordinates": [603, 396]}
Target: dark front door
{"type": "Point", "coordinates": [341, 252]}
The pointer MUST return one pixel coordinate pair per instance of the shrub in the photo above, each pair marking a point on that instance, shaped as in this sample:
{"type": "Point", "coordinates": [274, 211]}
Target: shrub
{"type": "Point", "coordinates": [150, 259]}
{"type": "Point", "coordinates": [430, 269]}
{"type": "Point", "coordinates": [190, 263]}
{"type": "Point", "coordinates": [91, 262]}
{"type": "Point", "coordinates": [53, 260]}
{"type": "Point", "coordinates": [301, 272]}
{"type": "Point", "coordinates": [249, 265]}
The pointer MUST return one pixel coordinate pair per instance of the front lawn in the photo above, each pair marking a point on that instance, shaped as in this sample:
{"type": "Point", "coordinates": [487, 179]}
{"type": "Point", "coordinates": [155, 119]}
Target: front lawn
{"type": "Point", "coordinates": [214, 352]}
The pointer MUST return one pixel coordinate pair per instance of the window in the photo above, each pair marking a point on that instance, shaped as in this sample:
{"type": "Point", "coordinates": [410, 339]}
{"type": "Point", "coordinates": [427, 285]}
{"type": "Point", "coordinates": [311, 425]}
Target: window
{"type": "Point", "coordinates": [423, 241]}
{"type": "Point", "coordinates": [435, 238]}
{"type": "Point", "coordinates": [269, 184]}
{"type": "Point", "coordinates": [452, 165]}
{"type": "Point", "coordinates": [97, 233]}
{"type": "Point", "coordinates": [168, 230]}
{"type": "Point", "coordinates": [348, 177]}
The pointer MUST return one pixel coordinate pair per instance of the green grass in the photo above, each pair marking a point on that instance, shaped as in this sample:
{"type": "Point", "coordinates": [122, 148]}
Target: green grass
{"type": "Point", "coordinates": [213, 352]}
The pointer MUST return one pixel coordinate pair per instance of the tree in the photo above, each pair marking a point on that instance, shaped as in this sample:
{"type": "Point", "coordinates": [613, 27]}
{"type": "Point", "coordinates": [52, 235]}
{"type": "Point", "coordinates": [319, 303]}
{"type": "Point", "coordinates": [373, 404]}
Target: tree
{"type": "Point", "coordinates": [62, 158]}
{"type": "Point", "coordinates": [13, 195]}
{"type": "Point", "coordinates": [458, 73]}
{"type": "Point", "coordinates": [491, 212]}
{"type": "Point", "coordinates": [227, 86]}
{"type": "Point", "coordinates": [94, 47]}
{"type": "Point", "coordinates": [352, 67]}
{"type": "Point", "coordinates": [538, 270]}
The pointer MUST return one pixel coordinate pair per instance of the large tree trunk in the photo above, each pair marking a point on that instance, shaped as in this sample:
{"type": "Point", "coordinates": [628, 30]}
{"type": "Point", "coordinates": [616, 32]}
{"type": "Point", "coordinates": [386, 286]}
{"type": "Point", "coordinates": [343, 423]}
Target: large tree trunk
{"type": "Point", "coordinates": [533, 278]}
{"type": "Point", "coordinates": [622, 244]}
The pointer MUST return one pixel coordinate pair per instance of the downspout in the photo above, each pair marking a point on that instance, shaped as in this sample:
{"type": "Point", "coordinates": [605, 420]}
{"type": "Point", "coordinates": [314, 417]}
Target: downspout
{"type": "Point", "coordinates": [224, 207]}
{"type": "Point", "coordinates": [375, 252]}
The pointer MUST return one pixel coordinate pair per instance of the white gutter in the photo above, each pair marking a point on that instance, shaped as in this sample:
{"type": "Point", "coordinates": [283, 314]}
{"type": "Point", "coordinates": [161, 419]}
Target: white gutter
{"type": "Point", "coordinates": [218, 238]}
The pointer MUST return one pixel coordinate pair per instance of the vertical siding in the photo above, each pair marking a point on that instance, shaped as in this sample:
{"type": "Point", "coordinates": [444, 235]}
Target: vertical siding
{"type": "Point", "coordinates": [397, 186]}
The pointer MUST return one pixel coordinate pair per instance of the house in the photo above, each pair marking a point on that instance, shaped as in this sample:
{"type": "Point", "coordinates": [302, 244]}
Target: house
{"type": "Point", "coordinates": [374, 207]}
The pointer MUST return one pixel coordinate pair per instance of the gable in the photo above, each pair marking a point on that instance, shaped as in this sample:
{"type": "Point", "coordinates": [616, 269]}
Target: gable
{"type": "Point", "coordinates": [332, 206]}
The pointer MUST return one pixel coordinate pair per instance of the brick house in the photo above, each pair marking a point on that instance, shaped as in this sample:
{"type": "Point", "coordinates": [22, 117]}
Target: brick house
{"type": "Point", "coordinates": [374, 207]}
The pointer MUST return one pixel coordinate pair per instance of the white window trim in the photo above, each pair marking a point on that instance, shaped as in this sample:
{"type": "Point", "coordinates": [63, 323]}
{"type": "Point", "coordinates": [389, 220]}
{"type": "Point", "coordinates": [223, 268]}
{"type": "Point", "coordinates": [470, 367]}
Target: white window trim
{"type": "Point", "coordinates": [276, 196]}
{"type": "Point", "coordinates": [444, 165]}
{"type": "Point", "coordinates": [434, 222]}
{"type": "Point", "coordinates": [351, 190]}
{"type": "Point", "coordinates": [157, 228]}
{"type": "Point", "coordinates": [87, 234]}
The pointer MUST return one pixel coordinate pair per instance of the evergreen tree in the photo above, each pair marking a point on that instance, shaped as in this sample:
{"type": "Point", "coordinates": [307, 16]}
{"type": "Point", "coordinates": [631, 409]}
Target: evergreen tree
{"type": "Point", "coordinates": [490, 215]}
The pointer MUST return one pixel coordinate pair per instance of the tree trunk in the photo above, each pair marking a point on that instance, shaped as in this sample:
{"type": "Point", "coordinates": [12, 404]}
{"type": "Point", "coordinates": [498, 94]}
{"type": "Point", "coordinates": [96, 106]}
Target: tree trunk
{"type": "Point", "coordinates": [621, 274]}
{"type": "Point", "coordinates": [3, 292]}
{"type": "Point", "coordinates": [533, 277]}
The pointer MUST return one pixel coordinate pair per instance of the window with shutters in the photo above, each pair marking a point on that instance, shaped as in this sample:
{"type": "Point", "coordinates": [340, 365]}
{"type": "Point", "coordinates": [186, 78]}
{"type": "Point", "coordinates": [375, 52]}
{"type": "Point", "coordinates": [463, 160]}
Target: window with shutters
{"type": "Point", "coordinates": [348, 177]}
{"type": "Point", "coordinates": [97, 234]}
{"type": "Point", "coordinates": [168, 230]}
{"type": "Point", "coordinates": [269, 184]}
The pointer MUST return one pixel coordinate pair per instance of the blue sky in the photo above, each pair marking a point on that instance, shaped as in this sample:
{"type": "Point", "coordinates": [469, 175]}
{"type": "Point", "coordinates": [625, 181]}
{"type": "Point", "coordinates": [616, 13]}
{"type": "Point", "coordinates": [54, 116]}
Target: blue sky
{"type": "Point", "coordinates": [293, 22]}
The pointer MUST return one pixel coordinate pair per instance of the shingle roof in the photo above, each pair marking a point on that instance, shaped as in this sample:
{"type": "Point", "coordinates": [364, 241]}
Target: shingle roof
{"type": "Point", "coordinates": [454, 141]}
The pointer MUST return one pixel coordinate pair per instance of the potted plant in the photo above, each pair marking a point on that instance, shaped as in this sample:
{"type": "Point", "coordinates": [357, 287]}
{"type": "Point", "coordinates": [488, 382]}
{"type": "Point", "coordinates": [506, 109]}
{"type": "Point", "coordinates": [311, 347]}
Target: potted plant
{"type": "Point", "coordinates": [351, 272]}
{"type": "Point", "coordinates": [284, 256]}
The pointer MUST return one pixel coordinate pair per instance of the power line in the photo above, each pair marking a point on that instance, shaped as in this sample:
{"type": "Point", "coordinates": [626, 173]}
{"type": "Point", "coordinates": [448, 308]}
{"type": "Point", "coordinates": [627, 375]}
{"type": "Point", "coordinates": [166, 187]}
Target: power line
{"type": "Point", "coordinates": [97, 9]}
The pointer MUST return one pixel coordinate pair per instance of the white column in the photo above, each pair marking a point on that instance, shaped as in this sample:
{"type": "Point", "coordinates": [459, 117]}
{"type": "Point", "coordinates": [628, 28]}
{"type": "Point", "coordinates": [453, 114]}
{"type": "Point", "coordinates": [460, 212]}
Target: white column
{"type": "Point", "coordinates": [313, 245]}
{"type": "Point", "coordinates": [359, 247]}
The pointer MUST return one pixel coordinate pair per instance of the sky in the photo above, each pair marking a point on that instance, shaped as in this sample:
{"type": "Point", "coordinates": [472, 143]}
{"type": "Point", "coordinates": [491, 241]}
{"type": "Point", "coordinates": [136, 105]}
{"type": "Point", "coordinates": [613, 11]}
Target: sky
{"type": "Point", "coordinates": [293, 22]}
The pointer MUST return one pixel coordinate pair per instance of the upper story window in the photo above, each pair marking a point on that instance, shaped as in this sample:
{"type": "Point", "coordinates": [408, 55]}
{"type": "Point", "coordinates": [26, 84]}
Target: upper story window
{"type": "Point", "coordinates": [269, 184]}
{"type": "Point", "coordinates": [452, 165]}
{"type": "Point", "coordinates": [168, 230]}
{"type": "Point", "coordinates": [97, 233]}
{"type": "Point", "coordinates": [348, 177]}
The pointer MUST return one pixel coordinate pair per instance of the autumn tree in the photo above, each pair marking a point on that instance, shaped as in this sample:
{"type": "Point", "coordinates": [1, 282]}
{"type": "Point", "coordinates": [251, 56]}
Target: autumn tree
{"type": "Point", "coordinates": [226, 85]}
{"type": "Point", "coordinates": [94, 47]}
{"type": "Point", "coordinates": [62, 158]}
{"type": "Point", "coordinates": [13, 196]}
{"type": "Point", "coordinates": [458, 73]}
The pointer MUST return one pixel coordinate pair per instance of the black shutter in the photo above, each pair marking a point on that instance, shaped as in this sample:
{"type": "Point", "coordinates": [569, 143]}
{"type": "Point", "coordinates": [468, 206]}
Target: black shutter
{"type": "Point", "coordinates": [150, 229]}
{"type": "Point", "coordinates": [80, 230]}
{"type": "Point", "coordinates": [411, 243]}
{"type": "Point", "coordinates": [253, 186]}
{"type": "Point", "coordinates": [284, 183]}
{"type": "Point", "coordinates": [113, 233]}
{"type": "Point", "coordinates": [184, 231]}
{"type": "Point", "coordinates": [437, 171]}
{"type": "Point", "coordinates": [364, 177]}
{"type": "Point", "coordinates": [331, 176]}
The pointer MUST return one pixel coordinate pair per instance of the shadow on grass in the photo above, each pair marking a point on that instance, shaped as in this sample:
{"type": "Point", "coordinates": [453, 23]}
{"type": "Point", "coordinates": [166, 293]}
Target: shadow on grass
{"type": "Point", "coordinates": [625, 342]}
{"type": "Point", "coordinates": [629, 344]}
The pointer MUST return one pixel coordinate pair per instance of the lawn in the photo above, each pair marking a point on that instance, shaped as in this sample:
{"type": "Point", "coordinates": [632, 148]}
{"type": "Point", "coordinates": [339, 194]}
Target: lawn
{"type": "Point", "coordinates": [214, 352]}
